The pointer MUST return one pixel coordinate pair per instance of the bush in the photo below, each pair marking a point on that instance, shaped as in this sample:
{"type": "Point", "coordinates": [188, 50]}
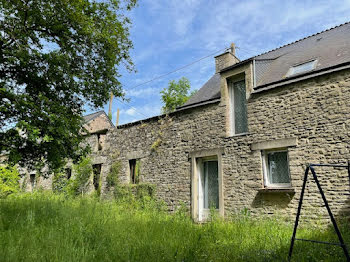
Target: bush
{"type": "Point", "coordinates": [59, 183]}
{"type": "Point", "coordinates": [9, 180]}
{"type": "Point", "coordinates": [112, 178]}
{"type": "Point", "coordinates": [137, 191]}
{"type": "Point", "coordinates": [82, 174]}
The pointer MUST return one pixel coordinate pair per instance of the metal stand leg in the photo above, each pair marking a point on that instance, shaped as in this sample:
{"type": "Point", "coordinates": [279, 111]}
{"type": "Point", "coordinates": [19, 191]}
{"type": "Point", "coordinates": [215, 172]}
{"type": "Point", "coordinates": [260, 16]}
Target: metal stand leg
{"type": "Point", "coordinates": [341, 241]}
{"type": "Point", "coordinates": [298, 214]}
{"type": "Point", "coordinates": [342, 244]}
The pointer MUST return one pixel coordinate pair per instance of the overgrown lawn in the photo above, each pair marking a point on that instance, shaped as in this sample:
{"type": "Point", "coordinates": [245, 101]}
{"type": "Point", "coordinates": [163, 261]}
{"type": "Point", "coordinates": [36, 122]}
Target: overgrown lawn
{"type": "Point", "coordinates": [46, 227]}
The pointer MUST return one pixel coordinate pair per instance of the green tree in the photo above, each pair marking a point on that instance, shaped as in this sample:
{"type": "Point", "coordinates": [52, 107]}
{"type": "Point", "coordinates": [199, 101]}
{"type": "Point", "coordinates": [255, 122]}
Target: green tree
{"type": "Point", "coordinates": [55, 57]}
{"type": "Point", "coordinates": [176, 94]}
{"type": "Point", "coordinates": [9, 178]}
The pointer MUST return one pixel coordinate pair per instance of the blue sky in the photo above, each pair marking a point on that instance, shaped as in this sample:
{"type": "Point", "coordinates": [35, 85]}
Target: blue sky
{"type": "Point", "coordinates": [170, 34]}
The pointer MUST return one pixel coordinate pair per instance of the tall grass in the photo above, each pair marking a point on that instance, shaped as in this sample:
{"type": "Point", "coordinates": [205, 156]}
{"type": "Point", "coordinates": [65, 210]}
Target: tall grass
{"type": "Point", "coordinates": [45, 227]}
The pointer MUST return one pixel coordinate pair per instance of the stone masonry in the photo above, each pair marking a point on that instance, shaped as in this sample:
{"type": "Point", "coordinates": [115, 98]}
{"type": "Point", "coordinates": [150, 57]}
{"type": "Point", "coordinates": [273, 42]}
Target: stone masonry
{"type": "Point", "coordinates": [313, 114]}
{"type": "Point", "coordinates": [306, 115]}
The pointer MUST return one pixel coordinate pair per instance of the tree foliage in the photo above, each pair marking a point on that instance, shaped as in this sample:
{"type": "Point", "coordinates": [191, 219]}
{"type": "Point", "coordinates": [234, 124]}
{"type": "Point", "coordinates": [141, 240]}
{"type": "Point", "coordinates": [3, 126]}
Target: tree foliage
{"type": "Point", "coordinates": [176, 94]}
{"type": "Point", "coordinates": [55, 57]}
{"type": "Point", "coordinates": [9, 180]}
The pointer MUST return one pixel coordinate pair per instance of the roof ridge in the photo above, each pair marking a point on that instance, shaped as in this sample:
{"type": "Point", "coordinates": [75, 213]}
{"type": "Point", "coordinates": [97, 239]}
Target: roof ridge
{"type": "Point", "coordinates": [95, 112]}
{"type": "Point", "coordinates": [306, 37]}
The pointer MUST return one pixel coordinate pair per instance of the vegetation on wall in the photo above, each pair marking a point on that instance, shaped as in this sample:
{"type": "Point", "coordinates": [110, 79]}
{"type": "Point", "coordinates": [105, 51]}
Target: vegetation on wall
{"type": "Point", "coordinates": [123, 191]}
{"type": "Point", "coordinates": [156, 143]}
{"type": "Point", "coordinates": [59, 182]}
{"type": "Point", "coordinates": [112, 178]}
{"type": "Point", "coordinates": [137, 171]}
{"type": "Point", "coordinates": [9, 180]}
{"type": "Point", "coordinates": [164, 123]}
{"type": "Point", "coordinates": [82, 176]}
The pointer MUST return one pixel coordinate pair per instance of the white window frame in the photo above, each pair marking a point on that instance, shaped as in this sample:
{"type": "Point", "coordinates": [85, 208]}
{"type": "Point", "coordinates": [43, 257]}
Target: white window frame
{"type": "Point", "coordinates": [231, 94]}
{"type": "Point", "coordinates": [264, 155]}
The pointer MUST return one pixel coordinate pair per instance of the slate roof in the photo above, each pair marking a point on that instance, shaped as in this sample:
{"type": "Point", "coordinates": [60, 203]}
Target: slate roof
{"type": "Point", "coordinates": [209, 91]}
{"type": "Point", "coordinates": [330, 48]}
{"type": "Point", "coordinates": [92, 116]}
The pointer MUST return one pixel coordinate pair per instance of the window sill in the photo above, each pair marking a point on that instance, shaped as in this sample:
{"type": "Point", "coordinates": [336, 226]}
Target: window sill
{"type": "Point", "coordinates": [287, 190]}
{"type": "Point", "coordinates": [242, 134]}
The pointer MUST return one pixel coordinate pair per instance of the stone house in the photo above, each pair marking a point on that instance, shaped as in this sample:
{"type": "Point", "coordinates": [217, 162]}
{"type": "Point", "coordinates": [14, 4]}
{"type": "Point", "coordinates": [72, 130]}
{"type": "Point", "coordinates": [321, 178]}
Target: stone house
{"type": "Point", "coordinates": [97, 125]}
{"type": "Point", "coordinates": [242, 142]}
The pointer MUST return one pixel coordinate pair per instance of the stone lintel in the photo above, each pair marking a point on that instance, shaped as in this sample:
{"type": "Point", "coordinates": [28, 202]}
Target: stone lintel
{"type": "Point", "coordinates": [206, 152]}
{"type": "Point", "coordinates": [277, 143]}
{"type": "Point", "coordinates": [135, 155]}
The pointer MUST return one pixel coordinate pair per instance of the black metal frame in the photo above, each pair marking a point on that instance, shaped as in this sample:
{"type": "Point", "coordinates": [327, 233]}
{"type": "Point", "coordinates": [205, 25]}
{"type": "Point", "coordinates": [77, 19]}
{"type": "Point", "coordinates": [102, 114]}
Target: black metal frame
{"type": "Point", "coordinates": [341, 243]}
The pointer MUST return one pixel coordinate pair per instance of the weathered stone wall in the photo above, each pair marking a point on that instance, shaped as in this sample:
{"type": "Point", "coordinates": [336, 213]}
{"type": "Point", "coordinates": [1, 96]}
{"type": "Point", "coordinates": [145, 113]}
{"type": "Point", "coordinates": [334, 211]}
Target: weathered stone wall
{"type": "Point", "coordinates": [224, 60]}
{"type": "Point", "coordinates": [163, 145]}
{"type": "Point", "coordinates": [99, 123]}
{"type": "Point", "coordinates": [315, 112]}
{"type": "Point", "coordinates": [97, 128]}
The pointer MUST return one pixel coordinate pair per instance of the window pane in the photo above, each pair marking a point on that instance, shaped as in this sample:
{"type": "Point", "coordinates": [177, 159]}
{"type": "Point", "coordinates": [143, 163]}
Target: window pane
{"type": "Point", "coordinates": [278, 168]}
{"type": "Point", "coordinates": [211, 192]}
{"type": "Point", "coordinates": [240, 107]}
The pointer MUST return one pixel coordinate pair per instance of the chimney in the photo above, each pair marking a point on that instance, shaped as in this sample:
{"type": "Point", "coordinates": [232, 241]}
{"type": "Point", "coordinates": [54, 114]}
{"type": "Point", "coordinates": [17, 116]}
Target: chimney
{"type": "Point", "coordinates": [226, 59]}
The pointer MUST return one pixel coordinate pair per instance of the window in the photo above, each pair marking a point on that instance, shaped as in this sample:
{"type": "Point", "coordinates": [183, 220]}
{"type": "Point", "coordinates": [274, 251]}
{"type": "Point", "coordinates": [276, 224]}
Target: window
{"type": "Point", "coordinates": [68, 172]}
{"type": "Point", "coordinates": [99, 142]}
{"type": "Point", "coordinates": [32, 180]}
{"type": "Point", "coordinates": [276, 168]}
{"type": "Point", "coordinates": [134, 165]}
{"type": "Point", "coordinates": [211, 184]}
{"type": "Point", "coordinates": [238, 106]}
{"type": "Point", "coordinates": [301, 68]}
{"type": "Point", "coordinates": [97, 175]}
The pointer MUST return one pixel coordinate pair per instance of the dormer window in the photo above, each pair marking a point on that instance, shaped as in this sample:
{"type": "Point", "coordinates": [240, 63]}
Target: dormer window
{"type": "Point", "coordinates": [302, 68]}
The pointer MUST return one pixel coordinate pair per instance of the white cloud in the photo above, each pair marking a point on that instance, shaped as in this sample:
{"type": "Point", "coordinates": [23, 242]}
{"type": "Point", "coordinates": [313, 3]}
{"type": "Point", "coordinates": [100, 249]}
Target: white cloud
{"type": "Point", "coordinates": [130, 112]}
{"type": "Point", "coordinates": [134, 113]}
{"type": "Point", "coordinates": [143, 92]}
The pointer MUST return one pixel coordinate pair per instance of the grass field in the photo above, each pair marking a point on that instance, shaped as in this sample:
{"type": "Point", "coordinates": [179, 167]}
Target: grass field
{"type": "Point", "coordinates": [46, 227]}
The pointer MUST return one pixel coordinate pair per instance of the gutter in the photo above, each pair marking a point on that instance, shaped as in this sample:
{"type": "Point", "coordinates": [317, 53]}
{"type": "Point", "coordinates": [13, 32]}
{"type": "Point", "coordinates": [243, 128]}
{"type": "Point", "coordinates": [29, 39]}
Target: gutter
{"type": "Point", "coordinates": [205, 102]}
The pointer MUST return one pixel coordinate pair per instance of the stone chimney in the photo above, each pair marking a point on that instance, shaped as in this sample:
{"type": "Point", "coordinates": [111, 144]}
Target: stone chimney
{"type": "Point", "coordinates": [226, 59]}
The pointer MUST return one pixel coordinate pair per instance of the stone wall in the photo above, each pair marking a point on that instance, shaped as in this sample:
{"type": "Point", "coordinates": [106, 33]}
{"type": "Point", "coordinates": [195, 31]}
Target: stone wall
{"type": "Point", "coordinates": [98, 127]}
{"type": "Point", "coordinates": [98, 124]}
{"type": "Point", "coordinates": [163, 146]}
{"type": "Point", "coordinates": [224, 60]}
{"type": "Point", "coordinates": [315, 113]}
